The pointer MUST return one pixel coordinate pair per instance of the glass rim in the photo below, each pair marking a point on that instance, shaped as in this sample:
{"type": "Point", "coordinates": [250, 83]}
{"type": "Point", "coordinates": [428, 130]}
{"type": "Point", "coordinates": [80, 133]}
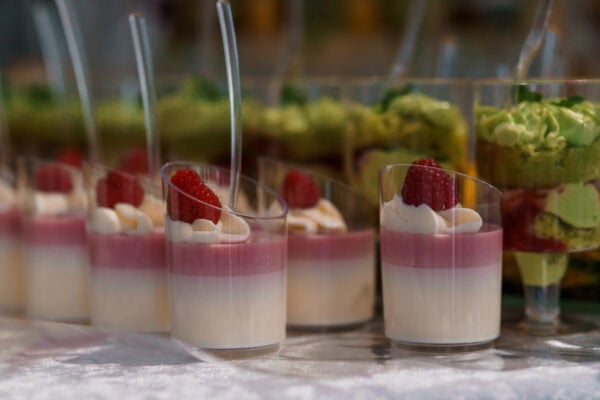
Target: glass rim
{"type": "Point", "coordinates": [496, 82]}
{"type": "Point", "coordinates": [94, 165]}
{"type": "Point", "coordinates": [28, 161]}
{"type": "Point", "coordinates": [188, 164]}
{"type": "Point", "coordinates": [433, 81]}
{"type": "Point", "coordinates": [317, 175]}
{"type": "Point", "coordinates": [477, 180]}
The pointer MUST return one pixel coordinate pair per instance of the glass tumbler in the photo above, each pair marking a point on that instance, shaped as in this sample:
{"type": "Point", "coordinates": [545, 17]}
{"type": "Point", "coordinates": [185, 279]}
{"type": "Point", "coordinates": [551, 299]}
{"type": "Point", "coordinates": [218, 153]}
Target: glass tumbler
{"type": "Point", "coordinates": [441, 255]}
{"type": "Point", "coordinates": [55, 241]}
{"type": "Point", "coordinates": [226, 260]}
{"type": "Point", "coordinates": [331, 248]}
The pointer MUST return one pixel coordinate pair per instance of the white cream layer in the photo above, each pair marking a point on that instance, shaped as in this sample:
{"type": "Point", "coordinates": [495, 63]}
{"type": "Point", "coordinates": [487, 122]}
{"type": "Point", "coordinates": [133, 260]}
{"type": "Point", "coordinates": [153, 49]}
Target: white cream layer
{"type": "Point", "coordinates": [12, 276]}
{"type": "Point", "coordinates": [220, 312]}
{"type": "Point", "coordinates": [57, 283]}
{"type": "Point", "coordinates": [321, 294]}
{"type": "Point", "coordinates": [133, 300]}
{"type": "Point", "coordinates": [441, 305]}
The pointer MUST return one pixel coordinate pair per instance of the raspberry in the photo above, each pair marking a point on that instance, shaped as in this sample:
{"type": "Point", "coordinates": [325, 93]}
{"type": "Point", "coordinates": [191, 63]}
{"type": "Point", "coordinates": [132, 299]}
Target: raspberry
{"type": "Point", "coordinates": [118, 187]}
{"type": "Point", "coordinates": [519, 210]}
{"type": "Point", "coordinates": [53, 178]}
{"type": "Point", "coordinates": [71, 156]}
{"type": "Point", "coordinates": [300, 190]}
{"type": "Point", "coordinates": [432, 186]}
{"type": "Point", "coordinates": [135, 162]}
{"type": "Point", "coordinates": [204, 203]}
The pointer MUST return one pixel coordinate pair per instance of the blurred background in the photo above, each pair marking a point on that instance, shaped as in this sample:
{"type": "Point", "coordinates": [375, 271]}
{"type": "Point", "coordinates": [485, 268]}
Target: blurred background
{"type": "Point", "coordinates": [349, 38]}
{"type": "Point", "coordinates": [315, 77]}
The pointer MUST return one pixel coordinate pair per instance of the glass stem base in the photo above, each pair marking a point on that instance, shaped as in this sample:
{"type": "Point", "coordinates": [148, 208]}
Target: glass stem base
{"type": "Point", "coordinates": [542, 304]}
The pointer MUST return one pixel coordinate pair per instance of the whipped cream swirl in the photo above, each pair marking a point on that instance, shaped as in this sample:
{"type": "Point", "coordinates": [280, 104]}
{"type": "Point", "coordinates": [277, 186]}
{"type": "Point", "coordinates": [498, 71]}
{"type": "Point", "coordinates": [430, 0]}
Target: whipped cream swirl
{"type": "Point", "coordinates": [324, 217]}
{"type": "Point", "coordinates": [399, 216]}
{"type": "Point", "coordinates": [127, 218]}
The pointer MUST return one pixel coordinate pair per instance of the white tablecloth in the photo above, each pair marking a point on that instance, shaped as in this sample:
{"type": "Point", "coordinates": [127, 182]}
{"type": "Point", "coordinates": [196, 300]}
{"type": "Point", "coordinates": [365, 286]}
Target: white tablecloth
{"type": "Point", "coordinates": [60, 361]}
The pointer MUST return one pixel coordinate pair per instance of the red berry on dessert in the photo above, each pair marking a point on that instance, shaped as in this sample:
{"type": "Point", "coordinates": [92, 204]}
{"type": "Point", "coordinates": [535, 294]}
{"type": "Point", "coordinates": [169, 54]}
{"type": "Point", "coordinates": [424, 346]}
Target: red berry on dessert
{"type": "Point", "coordinates": [432, 186]}
{"type": "Point", "coordinates": [53, 178]}
{"type": "Point", "coordinates": [71, 156]}
{"type": "Point", "coordinates": [118, 187]}
{"type": "Point", "coordinates": [200, 203]}
{"type": "Point", "coordinates": [300, 190]}
{"type": "Point", "coordinates": [135, 162]}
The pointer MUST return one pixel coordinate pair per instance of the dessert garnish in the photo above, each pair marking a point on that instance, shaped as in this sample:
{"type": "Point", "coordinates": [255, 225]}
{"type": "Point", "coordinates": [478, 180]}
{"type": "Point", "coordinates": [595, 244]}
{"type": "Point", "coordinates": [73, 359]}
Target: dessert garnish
{"type": "Point", "coordinates": [300, 190]}
{"type": "Point", "coordinates": [187, 209]}
{"type": "Point", "coordinates": [196, 215]}
{"type": "Point", "coordinates": [53, 178]}
{"type": "Point", "coordinates": [428, 203]}
{"type": "Point", "coordinates": [432, 186]}
{"type": "Point", "coordinates": [135, 162]}
{"type": "Point", "coordinates": [116, 188]}
{"type": "Point", "coordinates": [71, 156]}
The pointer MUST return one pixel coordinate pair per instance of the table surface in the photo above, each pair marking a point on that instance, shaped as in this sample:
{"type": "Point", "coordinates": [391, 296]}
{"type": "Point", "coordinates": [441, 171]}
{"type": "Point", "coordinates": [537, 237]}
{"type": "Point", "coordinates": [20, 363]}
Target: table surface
{"type": "Point", "coordinates": [40, 360]}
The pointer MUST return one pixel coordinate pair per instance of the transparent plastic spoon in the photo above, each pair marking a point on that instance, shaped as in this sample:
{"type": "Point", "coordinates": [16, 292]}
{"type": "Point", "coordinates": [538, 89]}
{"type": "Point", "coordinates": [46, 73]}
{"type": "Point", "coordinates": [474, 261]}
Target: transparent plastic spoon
{"type": "Point", "coordinates": [143, 58]}
{"type": "Point", "coordinates": [78, 59]}
{"type": "Point", "coordinates": [4, 138]}
{"type": "Point", "coordinates": [235, 95]}
{"type": "Point", "coordinates": [534, 38]}
{"type": "Point", "coordinates": [288, 63]}
{"type": "Point", "coordinates": [549, 50]}
{"type": "Point", "coordinates": [409, 39]}
{"type": "Point", "coordinates": [48, 38]}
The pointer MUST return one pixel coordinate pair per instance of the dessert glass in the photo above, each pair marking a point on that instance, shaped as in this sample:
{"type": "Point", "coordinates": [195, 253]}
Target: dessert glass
{"type": "Point", "coordinates": [538, 141]}
{"type": "Point", "coordinates": [331, 261]}
{"type": "Point", "coordinates": [441, 272]}
{"type": "Point", "coordinates": [55, 241]}
{"type": "Point", "coordinates": [12, 271]}
{"type": "Point", "coordinates": [227, 295]}
{"type": "Point", "coordinates": [128, 266]}
{"type": "Point", "coordinates": [390, 123]}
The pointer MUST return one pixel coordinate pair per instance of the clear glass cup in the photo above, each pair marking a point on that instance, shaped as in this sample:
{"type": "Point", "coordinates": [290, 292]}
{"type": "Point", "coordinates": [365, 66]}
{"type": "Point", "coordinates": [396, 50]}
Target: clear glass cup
{"type": "Point", "coordinates": [128, 266]}
{"type": "Point", "coordinates": [441, 270]}
{"type": "Point", "coordinates": [331, 251]}
{"type": "Point", "coordinates": [55, 241]}
{"type": "Point", "coordinates": [538, 142]}
{"type": "Point", "coordinates": [398, 122]}
{"type": "Point", "coordinates": [12, 270]}
{"type": "Point", "coordinates": [227, 276]}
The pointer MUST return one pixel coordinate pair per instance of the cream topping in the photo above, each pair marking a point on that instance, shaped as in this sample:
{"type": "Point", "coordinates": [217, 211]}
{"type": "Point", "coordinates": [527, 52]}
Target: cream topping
{"type": "Point", "coordinates": [127, 218]}
{"type": "Point", "coordinates": [398, 216]}
{"type": "Point", "coordinates": [230, 229]}
{"type": "Point", "coordinates": [324, 217]}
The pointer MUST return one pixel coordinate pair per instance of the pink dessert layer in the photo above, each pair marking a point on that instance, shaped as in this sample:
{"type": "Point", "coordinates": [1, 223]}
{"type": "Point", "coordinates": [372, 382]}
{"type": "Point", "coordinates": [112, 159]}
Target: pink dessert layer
{"type": "Point", "coordinates": [67, 230]}
{"type": "Point", "coordinates": [461, 250]}
{"type": "Point", "coordinates": [331, 246]}
{"type": "Point", "coordinates": [257, 256]}
{"type": "Point", "coordinates": [10, 222]}
{"type": "Point", "coordinates": [123, 251]}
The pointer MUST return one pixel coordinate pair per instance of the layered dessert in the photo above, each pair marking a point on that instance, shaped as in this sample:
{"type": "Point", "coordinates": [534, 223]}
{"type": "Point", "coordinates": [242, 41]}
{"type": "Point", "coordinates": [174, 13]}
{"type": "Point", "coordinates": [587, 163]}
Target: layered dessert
{"type": "Point", "coordinates": [545, 156]}
{"type": "Point", "coordinates": [227, 281]}
{"type": "Point", "coordinates": [55, 245]}
{"type": "Point", "coordinates": [12, 274]}
{"type": "Point", "coordinates": [331, 269]}
{"type": "Point", "coordinates": [127, 256]}
{"type": "Point", "coordinates": [406, 124]}
{"type": "Point", "coordinates": [441, 266]}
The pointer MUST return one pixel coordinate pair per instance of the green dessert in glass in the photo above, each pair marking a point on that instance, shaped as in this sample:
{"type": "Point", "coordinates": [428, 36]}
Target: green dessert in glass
{"type": "Point", "coordinates": [399, 125]}
{"type": "Point", "coordinates": [542, 148]}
